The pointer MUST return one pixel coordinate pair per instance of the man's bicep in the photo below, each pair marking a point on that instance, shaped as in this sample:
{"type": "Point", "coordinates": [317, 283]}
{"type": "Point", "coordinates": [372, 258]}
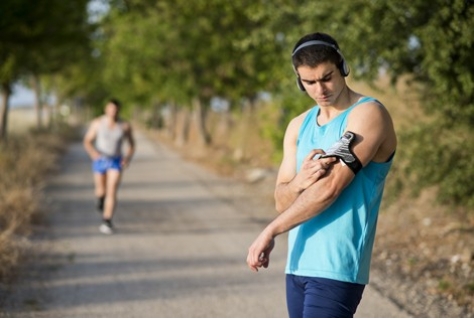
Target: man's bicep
{"type": "Point", "coordinates": [91, 132]}
{"type": "Point", "coordinates": [287, 170]}
{"type": "Point", "coordinates": [368, 126]}
{"type": "Point", "coordinates": [129, 135]}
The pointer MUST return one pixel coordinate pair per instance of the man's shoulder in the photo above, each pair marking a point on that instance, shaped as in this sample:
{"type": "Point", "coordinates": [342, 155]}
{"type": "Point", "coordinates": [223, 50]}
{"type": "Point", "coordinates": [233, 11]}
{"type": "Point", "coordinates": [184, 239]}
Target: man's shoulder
{"type": "Point", "coordinates": [297, 120]}
{"type": "Point", "coordinates": [370, 108]}
{"type": "Point", "coordinates": [98, 118]}
{"type": "Point", "coordinates": [125, 124]}
{"type": "Point", "coordinates": [373, 121]}
{"type": "Point", "coordinates": [294, 126]}
{"type": "Point", "coordinates": [95, 121]}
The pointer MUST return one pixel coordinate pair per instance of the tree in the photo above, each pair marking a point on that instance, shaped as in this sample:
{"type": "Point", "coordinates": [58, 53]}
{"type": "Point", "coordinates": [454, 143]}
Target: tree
{"type": "Point", "coordinates": [39, 39]}
{"type": "Point", "coordinates": [188, 52]}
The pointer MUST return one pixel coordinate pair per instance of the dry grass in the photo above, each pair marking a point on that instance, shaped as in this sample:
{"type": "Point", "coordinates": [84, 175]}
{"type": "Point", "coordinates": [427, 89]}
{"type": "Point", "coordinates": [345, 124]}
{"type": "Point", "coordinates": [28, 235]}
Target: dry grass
{"type": "Point", "coordinates": [24, 161]}
{"type": "Point", "coordinates": [20, 120]}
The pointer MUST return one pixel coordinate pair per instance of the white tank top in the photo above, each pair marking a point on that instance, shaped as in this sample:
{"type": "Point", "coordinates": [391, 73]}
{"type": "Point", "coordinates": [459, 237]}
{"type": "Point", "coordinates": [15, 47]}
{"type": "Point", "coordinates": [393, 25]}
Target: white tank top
{"type": "Point", "coordinates": [109, 139]}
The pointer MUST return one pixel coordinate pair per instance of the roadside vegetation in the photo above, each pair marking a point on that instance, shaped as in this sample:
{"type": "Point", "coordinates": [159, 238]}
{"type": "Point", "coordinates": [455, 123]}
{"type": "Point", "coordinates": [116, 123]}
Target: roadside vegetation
{"type": "Point", "coordinates": [25, 161]}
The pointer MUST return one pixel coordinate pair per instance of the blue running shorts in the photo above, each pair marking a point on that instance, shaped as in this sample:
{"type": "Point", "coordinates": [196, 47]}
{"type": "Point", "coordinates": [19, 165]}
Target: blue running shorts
{"type": "Point", "coordinates": [103, 164]}
{"type": "Point", "coordinates": [311, 297]}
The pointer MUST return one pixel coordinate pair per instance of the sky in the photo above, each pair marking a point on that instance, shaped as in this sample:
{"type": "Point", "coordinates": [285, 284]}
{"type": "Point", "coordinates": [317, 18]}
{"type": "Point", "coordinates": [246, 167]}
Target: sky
{"type": "Point", "coordinates": [21, 96]}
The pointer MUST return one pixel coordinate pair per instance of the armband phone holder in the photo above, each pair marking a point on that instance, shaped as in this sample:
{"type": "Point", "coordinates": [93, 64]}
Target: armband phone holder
{"type": "Point", "coordinates": [342, 150]}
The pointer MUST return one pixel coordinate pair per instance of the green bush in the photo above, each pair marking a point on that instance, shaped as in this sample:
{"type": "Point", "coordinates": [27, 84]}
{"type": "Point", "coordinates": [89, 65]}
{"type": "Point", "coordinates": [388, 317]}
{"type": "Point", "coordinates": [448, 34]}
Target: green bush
{"type": "Point", "coordinates": [440, 155]}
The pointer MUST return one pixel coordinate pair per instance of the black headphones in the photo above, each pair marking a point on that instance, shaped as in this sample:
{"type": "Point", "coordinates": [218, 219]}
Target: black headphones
{"type": "Point", "coordinates": [343, 68]}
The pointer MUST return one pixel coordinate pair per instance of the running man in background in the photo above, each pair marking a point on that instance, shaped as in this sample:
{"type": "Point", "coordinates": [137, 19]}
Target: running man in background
{"type": "Point", "coordinates": [329, 205]}
{"type": "Point", "coordinates": [103, 142]}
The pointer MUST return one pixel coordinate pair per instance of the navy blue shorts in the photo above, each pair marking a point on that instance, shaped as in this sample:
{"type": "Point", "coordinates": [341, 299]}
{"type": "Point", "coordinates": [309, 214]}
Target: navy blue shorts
{"type": "Point", "coordinates": [311, 297]}
{"type": "Point", "coordinates": [103, 164]}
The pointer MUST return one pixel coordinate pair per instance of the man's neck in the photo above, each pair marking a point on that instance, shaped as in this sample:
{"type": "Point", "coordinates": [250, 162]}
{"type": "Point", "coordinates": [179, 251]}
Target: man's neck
{"type": "Point", "coordinates": [346, 98]}
{"type": "Point", "coordinates": [111, 119]}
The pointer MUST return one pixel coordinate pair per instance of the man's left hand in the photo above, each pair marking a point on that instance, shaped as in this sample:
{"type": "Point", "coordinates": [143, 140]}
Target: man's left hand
{"type": "Point", "coordinates": [259, 252]}
{"type": "Point", "coordinates": [125, 163]}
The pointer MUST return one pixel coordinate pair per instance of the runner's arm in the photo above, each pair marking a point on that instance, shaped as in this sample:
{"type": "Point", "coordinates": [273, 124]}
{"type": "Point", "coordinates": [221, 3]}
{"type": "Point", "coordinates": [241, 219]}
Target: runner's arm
{"type": "Point", "coordinates": [89, 139]}
{"type": "Point", "coordinates": [289, 184]}
{"type": "Point", "coordinates": [131, 145]}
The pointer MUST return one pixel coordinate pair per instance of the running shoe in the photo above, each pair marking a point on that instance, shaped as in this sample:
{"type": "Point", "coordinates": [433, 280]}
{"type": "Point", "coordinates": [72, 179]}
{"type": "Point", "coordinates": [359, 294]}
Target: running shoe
{"type": "Point", "coordinates": [106, 227]}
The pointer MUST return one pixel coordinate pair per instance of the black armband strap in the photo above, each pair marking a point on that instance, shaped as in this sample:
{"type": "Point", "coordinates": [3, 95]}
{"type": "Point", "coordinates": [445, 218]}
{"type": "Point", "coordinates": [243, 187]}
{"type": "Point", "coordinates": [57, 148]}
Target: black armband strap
{"type": "Point", "coordinates": [342, 150]}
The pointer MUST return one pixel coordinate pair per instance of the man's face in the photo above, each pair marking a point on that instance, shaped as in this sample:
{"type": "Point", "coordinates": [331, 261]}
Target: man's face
{"type": "Point", "coordinates": [111, 110]}
{"type": "Point", "coordinates": [324, 83]}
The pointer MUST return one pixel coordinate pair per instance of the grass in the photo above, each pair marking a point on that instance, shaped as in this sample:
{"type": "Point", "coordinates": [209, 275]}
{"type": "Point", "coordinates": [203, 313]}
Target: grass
{"type": "Point", "coordinates": [24, 161]}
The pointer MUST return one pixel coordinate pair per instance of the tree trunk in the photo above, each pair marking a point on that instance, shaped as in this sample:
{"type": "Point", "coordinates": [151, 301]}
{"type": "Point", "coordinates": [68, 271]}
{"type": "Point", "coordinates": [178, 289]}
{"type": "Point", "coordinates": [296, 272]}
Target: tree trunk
{"type": "Point", "coordinates": [247, 111]}
{"type": "Point", "coordinates": [171, 122]}
{"type": "Point", "coordinates": [4, 108]}
{"type": "Point", "coordinates": [182, 137]}
{"type": "Point", "coordinates": [225, 122]}
{"type": "Point", "coordinates": [201, 114]}
{"type": "Point", "coordinates": [55, 112]}
{"type": "Point", "coordinates": [38, 106]}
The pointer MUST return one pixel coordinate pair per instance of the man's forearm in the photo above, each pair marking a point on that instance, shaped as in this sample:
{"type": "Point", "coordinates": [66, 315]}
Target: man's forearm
{"type": "Point", "coordinates": [130, 152]}
{"type": "Point", "coordinates": [90, 149]}
{"type": "Point", "coordinates": [131, 145]}
{"type": "Point", "coordinates": [313, 200]}
{"type": "Point", "coordinates": [285, 195]}
{"type": "Point", "coordinates": [308, 204]}
{"type": "Point", "coordinates": [131, 148]}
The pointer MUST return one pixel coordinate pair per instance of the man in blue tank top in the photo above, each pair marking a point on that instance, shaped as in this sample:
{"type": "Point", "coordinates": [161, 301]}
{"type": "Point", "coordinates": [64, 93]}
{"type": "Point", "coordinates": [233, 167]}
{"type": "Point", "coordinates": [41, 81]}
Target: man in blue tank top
{"type": "Point", "coordinates": [103, 142]}
{"type": "Point", "coordinates": [329, 186]}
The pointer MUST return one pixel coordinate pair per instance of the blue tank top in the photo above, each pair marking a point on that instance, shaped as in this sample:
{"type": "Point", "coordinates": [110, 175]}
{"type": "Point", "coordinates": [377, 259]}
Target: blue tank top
{"type": "Point", "coordinates": [337, 243]}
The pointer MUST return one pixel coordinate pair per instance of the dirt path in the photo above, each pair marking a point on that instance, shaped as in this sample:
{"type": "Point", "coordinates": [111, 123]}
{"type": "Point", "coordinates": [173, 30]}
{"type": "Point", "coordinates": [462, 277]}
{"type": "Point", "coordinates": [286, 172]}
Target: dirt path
{"type": "Point", "coordinates": [180, 248]}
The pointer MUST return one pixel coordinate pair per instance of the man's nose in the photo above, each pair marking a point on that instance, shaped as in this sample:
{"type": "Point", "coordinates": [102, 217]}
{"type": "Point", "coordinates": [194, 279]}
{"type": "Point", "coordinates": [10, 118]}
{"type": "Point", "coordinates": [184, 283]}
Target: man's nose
{"type": "Point", "coordinates": [319, 87]}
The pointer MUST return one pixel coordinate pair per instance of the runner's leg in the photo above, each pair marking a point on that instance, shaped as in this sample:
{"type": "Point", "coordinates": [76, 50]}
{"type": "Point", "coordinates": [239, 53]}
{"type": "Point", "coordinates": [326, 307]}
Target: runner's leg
{"type": "Point", "coordinates": [113, 181]}
{"type": "Point", "coordinates": [100, 187]}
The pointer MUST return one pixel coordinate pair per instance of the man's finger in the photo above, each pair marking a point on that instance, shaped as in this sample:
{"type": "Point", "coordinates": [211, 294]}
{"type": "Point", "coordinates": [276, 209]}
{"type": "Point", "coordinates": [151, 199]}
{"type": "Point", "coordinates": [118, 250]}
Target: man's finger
{"type": "Point", "coordinates": [253, 262]}
{"type": "Point", "coordinates": [313, 153]}
{"type": "Point", "coordinates": [266, 263]}
{"type": "Point", "coordinates": [330, 160]}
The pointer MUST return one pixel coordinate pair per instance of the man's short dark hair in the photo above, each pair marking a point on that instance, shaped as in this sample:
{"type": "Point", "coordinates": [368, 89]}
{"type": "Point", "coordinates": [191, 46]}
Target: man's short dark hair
{"type": "Point", "coordinates": [313, 55]}
{"type": "Point", "coordinates": [115, 102]}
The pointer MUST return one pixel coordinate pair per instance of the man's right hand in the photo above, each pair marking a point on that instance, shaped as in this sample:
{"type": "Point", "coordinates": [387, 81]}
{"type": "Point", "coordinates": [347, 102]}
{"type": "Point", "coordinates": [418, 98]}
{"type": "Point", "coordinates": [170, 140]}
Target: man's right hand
{"type": "Point", "coordinates": [312, 169]}
{"type": "Point", "coordinates": [95, 156]}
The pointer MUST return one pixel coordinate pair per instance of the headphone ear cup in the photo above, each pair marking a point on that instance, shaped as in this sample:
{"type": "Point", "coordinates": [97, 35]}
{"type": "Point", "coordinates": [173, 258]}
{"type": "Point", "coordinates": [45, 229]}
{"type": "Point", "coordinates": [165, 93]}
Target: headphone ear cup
{"type": "Point", "coordinates": [344, 68]}
{"type": "Point", "coordinates": [299, 84]}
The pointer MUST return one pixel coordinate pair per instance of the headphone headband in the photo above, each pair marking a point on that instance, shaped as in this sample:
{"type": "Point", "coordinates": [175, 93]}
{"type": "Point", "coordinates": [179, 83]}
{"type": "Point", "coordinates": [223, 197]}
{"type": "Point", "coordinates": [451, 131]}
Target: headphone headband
{"type": "Point", "coordinates": [316, 42]}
